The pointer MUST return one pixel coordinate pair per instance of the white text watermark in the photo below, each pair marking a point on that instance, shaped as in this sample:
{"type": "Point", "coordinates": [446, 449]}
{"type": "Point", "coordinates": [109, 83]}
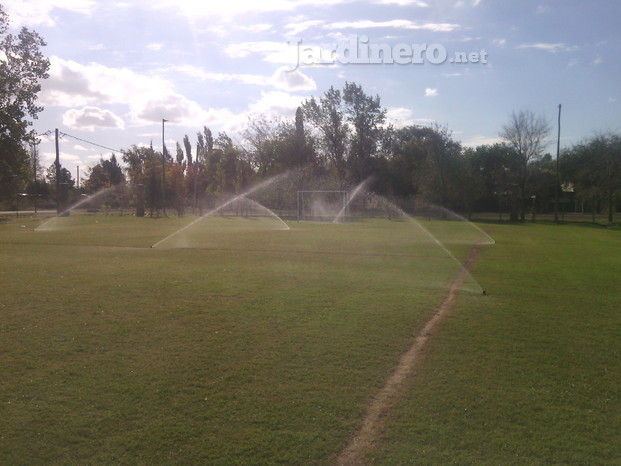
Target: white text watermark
{"type": "Point", "coordinates": [359, 51]}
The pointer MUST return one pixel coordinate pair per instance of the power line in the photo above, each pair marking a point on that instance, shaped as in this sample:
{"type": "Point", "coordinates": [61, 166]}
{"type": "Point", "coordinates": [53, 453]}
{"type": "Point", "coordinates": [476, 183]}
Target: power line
{"type": "Point", "coordinates": [48, 133]}
{"type": "Point", "coordinates": [90, 142]}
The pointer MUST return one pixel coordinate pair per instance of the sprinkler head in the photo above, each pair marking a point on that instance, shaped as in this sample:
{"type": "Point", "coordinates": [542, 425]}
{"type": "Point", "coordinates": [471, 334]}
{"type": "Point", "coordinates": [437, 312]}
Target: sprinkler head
{"type": "Point", "coordinates": [484, 293]}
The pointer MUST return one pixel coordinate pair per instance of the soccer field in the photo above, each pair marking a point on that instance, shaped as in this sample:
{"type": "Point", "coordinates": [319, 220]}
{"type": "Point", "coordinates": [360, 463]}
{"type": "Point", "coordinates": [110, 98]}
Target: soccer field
{"type": "Point", "coordinates": [234, 341]}
{"type": "Point", "coordinates": [239, 341]}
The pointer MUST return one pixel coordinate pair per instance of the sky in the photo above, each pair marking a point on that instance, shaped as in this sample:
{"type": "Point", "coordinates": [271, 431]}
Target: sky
{"type": "Point", "coordinates": [119, 67]}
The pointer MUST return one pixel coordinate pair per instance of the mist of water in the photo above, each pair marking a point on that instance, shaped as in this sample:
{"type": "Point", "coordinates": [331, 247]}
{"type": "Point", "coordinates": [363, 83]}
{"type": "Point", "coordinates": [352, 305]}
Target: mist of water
{"type": "Point", "coordinates": [484, 237]}
{"type": "Point", "coordinates": [283, 224]}
{"type": "Point", "coordinates": [258, 187]}
{"type": "Point", "coordinates": [350, 198]}
{"type": "Point", "coordinates": [435, 240]}
{"type": "Point", "coordinates": [49, 224]}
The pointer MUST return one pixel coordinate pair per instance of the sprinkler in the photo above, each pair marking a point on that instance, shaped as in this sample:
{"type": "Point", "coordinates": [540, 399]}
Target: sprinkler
{"type": "Point", "coordinates": [484, 292]}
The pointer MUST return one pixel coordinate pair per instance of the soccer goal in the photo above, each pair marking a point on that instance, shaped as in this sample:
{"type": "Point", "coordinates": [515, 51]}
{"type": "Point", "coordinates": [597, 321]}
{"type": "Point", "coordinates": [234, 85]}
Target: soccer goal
{"type": "Point", "coordinates": [322, 206]}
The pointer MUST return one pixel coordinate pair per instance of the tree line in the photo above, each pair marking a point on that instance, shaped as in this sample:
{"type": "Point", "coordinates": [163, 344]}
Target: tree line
{"type": "Point", "coordinates": [341, 138]}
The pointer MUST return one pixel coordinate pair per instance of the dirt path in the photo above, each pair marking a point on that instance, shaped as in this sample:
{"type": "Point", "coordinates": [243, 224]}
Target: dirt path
{"type": "Point", "coordinates": [366, 439]}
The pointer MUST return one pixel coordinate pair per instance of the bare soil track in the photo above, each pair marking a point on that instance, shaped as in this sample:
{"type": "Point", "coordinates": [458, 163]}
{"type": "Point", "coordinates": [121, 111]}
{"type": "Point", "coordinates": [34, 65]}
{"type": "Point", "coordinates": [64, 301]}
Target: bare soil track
{"type": "Point", "coordinates": [366, 439]}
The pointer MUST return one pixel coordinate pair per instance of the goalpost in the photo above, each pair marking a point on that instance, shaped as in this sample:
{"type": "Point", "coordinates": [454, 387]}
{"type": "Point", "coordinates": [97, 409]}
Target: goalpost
{"type": "Point", "coordinates": [321, 205]}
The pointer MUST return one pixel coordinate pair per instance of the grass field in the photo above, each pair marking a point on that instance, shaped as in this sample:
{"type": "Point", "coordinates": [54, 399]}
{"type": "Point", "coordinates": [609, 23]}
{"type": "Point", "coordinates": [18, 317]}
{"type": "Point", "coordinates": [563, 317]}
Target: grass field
{"type": "Point", "coordinates": [239, 342]}
{"type": "Point", "coordinates": [532, 374]}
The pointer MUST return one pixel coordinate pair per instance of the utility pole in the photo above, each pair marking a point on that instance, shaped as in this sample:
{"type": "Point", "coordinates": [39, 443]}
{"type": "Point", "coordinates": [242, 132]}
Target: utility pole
{"type": "Point", "coordinates": [558, 177]}
{"type": "Point", "coordinates": [35, 167]}
{"type": "Point", "coordinates": [163, 168]}
{"type": "Point", "coordinates": [57, 164]}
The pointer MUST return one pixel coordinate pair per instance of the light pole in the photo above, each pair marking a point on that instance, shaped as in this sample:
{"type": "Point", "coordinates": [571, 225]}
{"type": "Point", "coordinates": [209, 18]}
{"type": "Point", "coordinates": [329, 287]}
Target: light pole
{"type": "Point", "coordinates": [57, 167]}
{"type": "Point", "coordinates": [163, 168]}
{"type": "Point", "coordinates": [558, 177]}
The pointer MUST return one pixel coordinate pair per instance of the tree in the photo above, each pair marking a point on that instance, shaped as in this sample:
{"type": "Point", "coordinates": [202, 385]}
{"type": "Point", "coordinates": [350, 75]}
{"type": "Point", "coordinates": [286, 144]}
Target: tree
{"type": "Point", "coordinates": [594, 168]}
{"type": "Point", "coordinates": [179, 154]}
{"type": "Point", "coordinates": [366, 116]}
{"type": "Point", "coordinates": [22, 66]}
{"type": "Point", "coordinates": [144, 169]}
{"type": "Point", "coordinates": [327, 116]}
{"type": "Point", "coordinates": [260, 136]}
{"type": "Point", "coordinates": [103, 175]}
{"type": "Point", "coordinates": [439, 175]}
{"type": "Point", "coordinates": [499, 168]}
{"type": "Point", "coordinates": [64, 179]}
{"type": "Point", "coordinates": [303, 150]}
{"type": "Point", "coordinates": [424, 161]}
{"type": "Point", "coordinates": [526, 134]}
{"type": "Point", "coordinates": [226, 170]}
{"type": "Point", "coordinates": [188, 149]}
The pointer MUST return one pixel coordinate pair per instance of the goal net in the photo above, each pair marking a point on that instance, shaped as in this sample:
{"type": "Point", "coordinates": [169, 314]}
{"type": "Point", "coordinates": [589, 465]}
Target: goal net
{"type": "Point", "coordinates": [322, 206]}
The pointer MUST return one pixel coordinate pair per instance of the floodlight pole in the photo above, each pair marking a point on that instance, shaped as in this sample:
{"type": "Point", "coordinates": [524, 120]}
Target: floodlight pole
{"type": "Point", "coordinates": [163, 168]}
{"type": "Point", "coordinates": [558, 176]}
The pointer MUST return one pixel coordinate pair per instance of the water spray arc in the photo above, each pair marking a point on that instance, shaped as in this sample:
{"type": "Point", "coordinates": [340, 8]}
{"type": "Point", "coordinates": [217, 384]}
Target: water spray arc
{"type": "Point", "coordinates": [283, 224]}
{"type": "Point", "coordinates": [485, 238]}
{"type": "Point", "coordinates": [222, 206]}
{"type": "Point", "coordinates": [350, 198]}
{"type": "Point", "coordinates": [86, 200]}
{"type": "Point", "coordinates": [482, 239]}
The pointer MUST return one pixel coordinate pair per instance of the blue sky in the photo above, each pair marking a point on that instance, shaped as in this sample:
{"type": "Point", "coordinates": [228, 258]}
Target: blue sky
{"type": "Point", "coordinates": [119, 67]}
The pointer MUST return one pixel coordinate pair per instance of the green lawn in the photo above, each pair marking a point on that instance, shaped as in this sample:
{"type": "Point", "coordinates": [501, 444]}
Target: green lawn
{"type": "Point", "coordinates": [238, 342]}
{"type": "Point", "coordinates": [251, 344]}
{"type": "Point", "coordinates": [531, 374]}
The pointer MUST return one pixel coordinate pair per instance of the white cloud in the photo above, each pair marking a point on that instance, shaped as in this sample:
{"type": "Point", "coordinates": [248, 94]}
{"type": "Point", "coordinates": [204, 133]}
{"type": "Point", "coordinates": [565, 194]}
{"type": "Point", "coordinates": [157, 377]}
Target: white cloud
{"type": "Point", "coordinates": [395, 23]}
{"type": "Point", "coordinates": [276, 104]}
{"type": "Point", "coordinates": [402, 116]}
{"type": "Point", "coordinates": [480, 140]}
{"type": "Point", "coordinates": [149, 98]}
{"type": "Point", "coordinates": [257, 27]}
{"type": "Point", "coordinates": [36, 12]}
{"type": "Point", "coordinates": [282, 79]}
{"type": "Point", "coordinates": [292, 80]}
{"type": "Point", "coordinates": [48, 158]}
{"type": "Point", "coordinates": [549, 47]}
{"type": "Point", "coordinates": [399, 116]}
{"type": "Point", "coordinates": [416, 3]}
{"type": "Point", "coordinates": [598, 60]}
{"type": "Point", "coordinates": [73, 84]}
{"type": "Point", "coordinates": [194, 9]}
{"type": "Point", "coordinates": [296, 28]}
{"type": "Point", "coordinates": [200, 73]}
{"type": "Point", "coordinates": [573, 62]}
{"type": "Point", "coordinates": [91, 118]}
{"type": "Point", "coordinates": [174, 107]}
{"type": "Point", "coordinates": [431, 92]}
{"type": "Point", "coordinates": [155, 46]}
{"type": "Point", "coordinates": [273, 52]}
{"type": "Point", "coordinates": [499, 42]}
